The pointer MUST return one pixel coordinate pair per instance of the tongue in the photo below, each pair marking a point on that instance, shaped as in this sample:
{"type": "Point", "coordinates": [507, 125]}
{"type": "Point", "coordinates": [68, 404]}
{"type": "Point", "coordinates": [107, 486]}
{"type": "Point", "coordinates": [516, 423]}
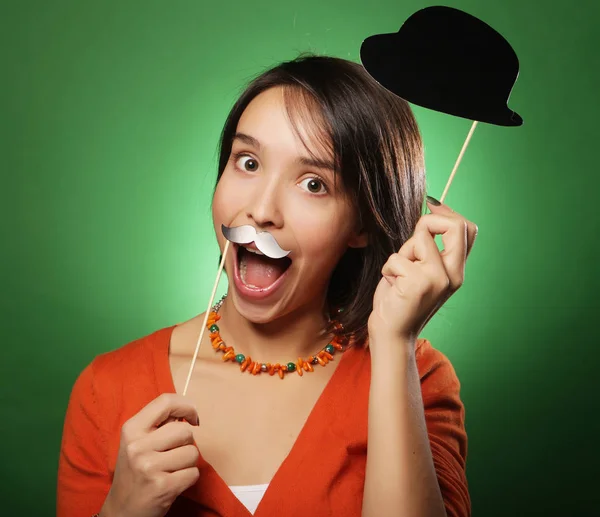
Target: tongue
{"type": "Point", "coordinates": [261, 271]}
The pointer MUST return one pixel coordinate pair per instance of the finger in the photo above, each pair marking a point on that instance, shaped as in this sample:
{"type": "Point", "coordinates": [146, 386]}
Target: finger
{"type": "Point", "coordinates": [472, 231]}
{"type": "Point", "coordinates": [418, 277]}
{"type": "Point", "coordinates": [436, 207]}
{"type": "Point", "coordinates": [431, 260]}
{"type": "Point", "coordinates": [184, 478]}
{"type": "Point", "coordinates": [177, 459]}
{"type": "Point", "coordinates": [443, 209]}
{"type": "Point", "coordinates": [421, 246]}
{"type": "Point", "coordinates": [169, 436]}
{"type": "Point", "coordinates": [397, 265]}
{"type": "Point", "coordinates": [454, 238]}
{"type": "Point", "coordinates": [163, 407]}
{"type": "Point", "coordinates": [400, 266]}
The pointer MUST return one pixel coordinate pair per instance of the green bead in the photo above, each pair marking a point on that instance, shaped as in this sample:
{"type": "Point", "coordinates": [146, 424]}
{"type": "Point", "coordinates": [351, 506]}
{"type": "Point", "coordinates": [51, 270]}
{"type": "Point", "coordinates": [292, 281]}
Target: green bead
{"type": "Point", "coordinates": [291, 367]}
{"type": "Point", "coordinates": [214, 328]}
{"type": "Point", "coordinates": [240, 358]}
{"type": "Point", "coordinates": [330, 349]}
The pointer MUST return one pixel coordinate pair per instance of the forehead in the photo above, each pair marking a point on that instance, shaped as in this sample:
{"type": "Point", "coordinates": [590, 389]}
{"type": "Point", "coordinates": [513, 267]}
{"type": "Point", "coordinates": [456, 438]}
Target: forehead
{"type": "Point", "coordinates": [290, 115]}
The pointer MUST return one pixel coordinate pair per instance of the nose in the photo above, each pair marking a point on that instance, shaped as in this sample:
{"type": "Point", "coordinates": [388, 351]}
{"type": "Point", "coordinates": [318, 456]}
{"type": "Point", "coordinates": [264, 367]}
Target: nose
{"type": "Point", "coordinates": [264, 207]}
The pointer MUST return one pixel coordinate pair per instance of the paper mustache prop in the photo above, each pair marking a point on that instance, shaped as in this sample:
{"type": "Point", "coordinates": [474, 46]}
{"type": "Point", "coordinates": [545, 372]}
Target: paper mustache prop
{"type": "Point", "coordinates": [442, 59]}
{"type": "Point", "coordinates": [264, 241]}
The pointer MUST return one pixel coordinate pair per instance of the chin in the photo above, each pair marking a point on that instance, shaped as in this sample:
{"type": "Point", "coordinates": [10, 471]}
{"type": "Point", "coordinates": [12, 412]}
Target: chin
{"type": "Point", "coordinates": [257, 313]}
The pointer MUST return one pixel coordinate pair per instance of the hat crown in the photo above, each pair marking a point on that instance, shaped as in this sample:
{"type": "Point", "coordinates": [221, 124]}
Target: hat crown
{"type": "Point", "coordinates": [447, 60]}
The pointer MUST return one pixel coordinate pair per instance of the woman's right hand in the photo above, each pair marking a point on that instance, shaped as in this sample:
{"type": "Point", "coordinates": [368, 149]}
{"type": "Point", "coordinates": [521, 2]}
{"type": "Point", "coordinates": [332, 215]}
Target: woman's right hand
{"type": "Point", "coordinates": [156, 461]}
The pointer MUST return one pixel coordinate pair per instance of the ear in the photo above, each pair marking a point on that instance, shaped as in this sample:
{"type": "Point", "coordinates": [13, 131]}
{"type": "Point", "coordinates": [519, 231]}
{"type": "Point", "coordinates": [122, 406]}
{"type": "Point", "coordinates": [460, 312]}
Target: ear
{"type": "Point", "coordinates": [359, 239]}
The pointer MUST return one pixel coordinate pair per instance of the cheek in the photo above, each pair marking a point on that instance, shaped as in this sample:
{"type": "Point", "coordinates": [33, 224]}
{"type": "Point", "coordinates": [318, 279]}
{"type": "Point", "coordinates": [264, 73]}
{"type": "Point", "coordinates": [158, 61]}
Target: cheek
{"type": "Point", "coordinates": [322, 238]}
{"type": "Point", "coordinates": [218, 205]}
{"type": "Point", "coordinates": [225, 199]}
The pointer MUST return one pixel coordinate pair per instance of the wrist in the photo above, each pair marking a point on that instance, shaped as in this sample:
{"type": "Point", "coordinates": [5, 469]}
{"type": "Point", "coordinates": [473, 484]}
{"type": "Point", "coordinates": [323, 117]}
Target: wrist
{"type": "Point", "coordinates": [391, 348]}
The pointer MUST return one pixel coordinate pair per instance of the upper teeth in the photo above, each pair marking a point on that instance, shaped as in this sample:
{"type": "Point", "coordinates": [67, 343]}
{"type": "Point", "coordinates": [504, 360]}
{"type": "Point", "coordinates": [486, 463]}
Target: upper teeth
{"type": "Point", "coordinates": [256, 252]}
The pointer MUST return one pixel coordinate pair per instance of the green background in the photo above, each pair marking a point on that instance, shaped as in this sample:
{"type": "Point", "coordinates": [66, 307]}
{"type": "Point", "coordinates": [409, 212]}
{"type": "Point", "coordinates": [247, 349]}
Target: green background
{"type": "Point", "coordinates": [111, 116]}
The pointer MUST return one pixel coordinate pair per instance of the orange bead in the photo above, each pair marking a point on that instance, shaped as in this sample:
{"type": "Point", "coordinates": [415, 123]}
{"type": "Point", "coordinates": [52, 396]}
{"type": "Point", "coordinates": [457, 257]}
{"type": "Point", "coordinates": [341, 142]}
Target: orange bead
{"type": "Point", "coordinates": [245, 364]}
{"type": "Point", "coordinates": [300, 371]}
{"type": "Point", "coordinates": [216, 344]}
{"type": "Point", "coordinates": [271, 370]}
{"type": "Point", "coordinates": [256, 368]}
{"type": "Point", "coordinates": [300, 362]}
{"type": "Point", "coordinates": [308, 367]}
{"type": "Point", "coordinates": [341, 340]}
{"type": "Point", "coordinates": [321, 361]}
{"type": "Point", "coordinates": [310, 359]}
{"type": "Point", "coordinates": [280, 373]}
{"type": "Point", "coordinates": [251, 366]}
{"type": "Point", "coordinates": [222, 345]}
{"type": "Point", "coordinates": [337, 346]}
{"type": "Point", "coordinates": [328, 355]}
{"type": "Point", "coordinates": [228, 349]}
{"type": "Point", "coordinates": [228, 355]}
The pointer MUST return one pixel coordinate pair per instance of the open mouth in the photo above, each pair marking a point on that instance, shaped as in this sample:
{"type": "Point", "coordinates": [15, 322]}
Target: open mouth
{"type": "Point", "coordinates": [257, 271]}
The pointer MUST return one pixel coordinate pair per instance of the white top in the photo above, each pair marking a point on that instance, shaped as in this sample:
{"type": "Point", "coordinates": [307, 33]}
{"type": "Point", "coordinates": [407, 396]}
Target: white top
{"type": "Point", "coordinates": [249, 495]}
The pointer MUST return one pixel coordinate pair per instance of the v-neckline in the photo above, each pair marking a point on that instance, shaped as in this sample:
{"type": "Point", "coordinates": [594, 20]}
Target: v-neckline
{"type": "Point", "coordinates": [165, 383]}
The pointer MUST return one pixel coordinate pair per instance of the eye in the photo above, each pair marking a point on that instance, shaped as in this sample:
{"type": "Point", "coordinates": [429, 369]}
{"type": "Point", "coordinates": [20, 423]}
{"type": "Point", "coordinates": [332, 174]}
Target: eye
{"type": "Point", "coordinates": [315, 185]}
{"type": "Point", "coordinates": [247, 162]}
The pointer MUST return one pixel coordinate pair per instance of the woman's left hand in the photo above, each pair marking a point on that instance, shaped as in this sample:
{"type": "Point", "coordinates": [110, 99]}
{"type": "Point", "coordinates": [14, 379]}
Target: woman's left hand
{"type": "Point", "coordinates": [418, 279]}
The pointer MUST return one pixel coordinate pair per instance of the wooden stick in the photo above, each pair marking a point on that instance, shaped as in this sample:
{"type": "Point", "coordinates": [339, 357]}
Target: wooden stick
{"type": "Point", "coordinates": [464, 148]}
{"type": "Point", "coordinates": [212, 297]}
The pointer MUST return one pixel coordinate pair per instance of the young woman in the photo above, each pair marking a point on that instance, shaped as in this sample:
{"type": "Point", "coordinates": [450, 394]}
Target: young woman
{"type": "Point", "coordinates": [312, 393]}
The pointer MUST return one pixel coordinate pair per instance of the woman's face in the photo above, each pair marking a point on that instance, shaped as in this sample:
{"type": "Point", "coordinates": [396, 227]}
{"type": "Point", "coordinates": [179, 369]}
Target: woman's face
{"type": "Point", "coordinates": [272, 183]}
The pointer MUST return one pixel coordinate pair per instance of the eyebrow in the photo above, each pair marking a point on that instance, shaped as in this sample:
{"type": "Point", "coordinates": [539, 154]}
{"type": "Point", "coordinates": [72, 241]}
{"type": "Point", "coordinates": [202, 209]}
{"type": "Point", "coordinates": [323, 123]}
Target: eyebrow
{"type": "Point", "coordinates": [304, 160]}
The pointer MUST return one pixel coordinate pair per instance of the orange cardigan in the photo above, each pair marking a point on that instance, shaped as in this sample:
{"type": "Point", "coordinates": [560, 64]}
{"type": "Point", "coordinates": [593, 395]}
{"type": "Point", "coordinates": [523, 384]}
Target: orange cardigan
{"type": "Point", "coordinates": [117, 384]}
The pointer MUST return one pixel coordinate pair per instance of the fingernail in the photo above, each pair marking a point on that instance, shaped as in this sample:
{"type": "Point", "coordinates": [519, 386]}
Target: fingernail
{"type": "Point", "coordinates": [433, 201]}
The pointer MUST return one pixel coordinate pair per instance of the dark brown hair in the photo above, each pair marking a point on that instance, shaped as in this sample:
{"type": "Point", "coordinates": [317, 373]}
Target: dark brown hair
{"type": "Point", "coordinates": [378, 154]}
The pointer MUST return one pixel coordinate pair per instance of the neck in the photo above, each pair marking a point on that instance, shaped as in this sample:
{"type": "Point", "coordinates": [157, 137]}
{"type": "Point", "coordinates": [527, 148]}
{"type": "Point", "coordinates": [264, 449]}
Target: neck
{"type": "Point", "coordinates": [289, 336]}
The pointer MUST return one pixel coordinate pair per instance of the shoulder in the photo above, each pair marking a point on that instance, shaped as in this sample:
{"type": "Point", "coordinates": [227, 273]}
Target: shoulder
{"type": "Point", "coordinates": [133, 358]}
{"type": "Point", "coordinates": [435, 370]}
{"type": "Point", "coordinates": [126, 373]}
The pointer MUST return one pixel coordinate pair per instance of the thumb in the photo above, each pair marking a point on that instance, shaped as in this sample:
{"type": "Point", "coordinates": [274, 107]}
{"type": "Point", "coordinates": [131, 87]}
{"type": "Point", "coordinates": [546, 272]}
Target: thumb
{"type": "Point", "coordinates": [437, 207]}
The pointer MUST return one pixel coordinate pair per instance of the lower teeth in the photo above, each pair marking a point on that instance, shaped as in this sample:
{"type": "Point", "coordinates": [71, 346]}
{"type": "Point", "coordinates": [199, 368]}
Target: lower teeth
{"type": "Point", "coordinates": [243, 274]}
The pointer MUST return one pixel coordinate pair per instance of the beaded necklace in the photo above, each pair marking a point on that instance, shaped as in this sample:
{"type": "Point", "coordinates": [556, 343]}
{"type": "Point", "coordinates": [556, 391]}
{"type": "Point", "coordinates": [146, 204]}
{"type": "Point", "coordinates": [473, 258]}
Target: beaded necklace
{"type": "Point", "coordinates": [337, 344]}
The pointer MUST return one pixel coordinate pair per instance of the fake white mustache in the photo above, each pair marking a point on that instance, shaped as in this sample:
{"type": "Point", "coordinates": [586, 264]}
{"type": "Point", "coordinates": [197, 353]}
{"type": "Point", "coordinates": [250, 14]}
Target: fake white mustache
{"type": "Point", "coordinates": [264, 241]}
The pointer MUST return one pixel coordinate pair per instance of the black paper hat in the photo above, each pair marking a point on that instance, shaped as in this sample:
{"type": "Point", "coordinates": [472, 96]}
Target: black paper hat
{"type": "Point", "coordinates": [449, 61]}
